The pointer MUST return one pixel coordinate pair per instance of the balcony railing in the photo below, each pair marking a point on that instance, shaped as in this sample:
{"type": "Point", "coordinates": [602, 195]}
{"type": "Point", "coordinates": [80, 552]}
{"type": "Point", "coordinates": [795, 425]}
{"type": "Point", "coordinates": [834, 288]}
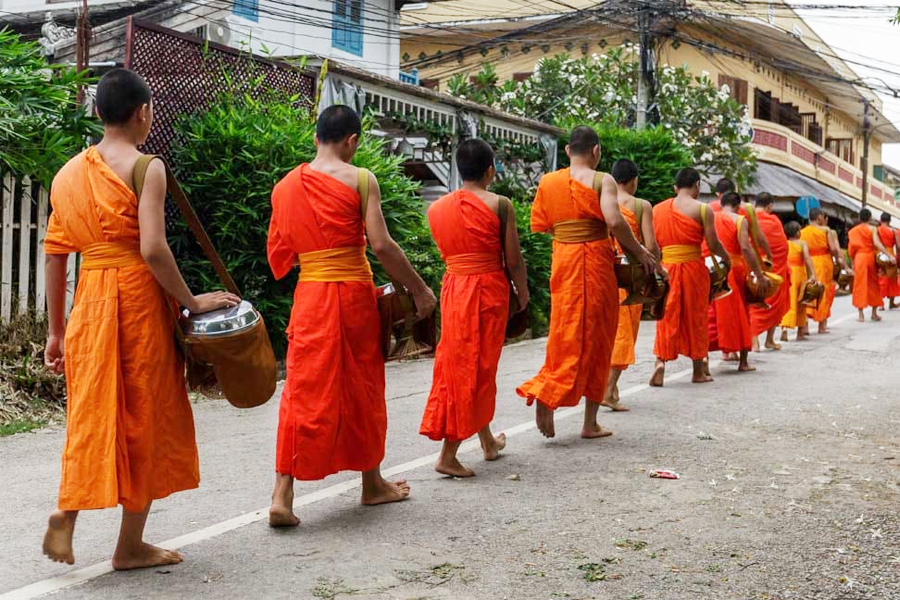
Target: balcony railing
{"type": "Point", "coordinates": [780, 145]}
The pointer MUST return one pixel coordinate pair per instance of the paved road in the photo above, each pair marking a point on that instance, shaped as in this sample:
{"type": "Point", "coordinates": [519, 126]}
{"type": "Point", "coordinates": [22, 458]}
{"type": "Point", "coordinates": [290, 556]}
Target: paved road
{"type": "Point", "coordinates": [794, 496]}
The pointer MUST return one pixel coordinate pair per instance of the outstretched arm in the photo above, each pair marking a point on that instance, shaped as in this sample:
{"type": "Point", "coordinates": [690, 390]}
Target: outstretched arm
{"type": "Point", "coordinates": [807, 258]}
{"type": "Point", "coordinates": [155, 248]}
{"type": "Point", "coordinates": [618, 226]}
{"type": "Point", "coordinates": [392, 257]}
{"type": "Point", "coordinates": [515, 262]}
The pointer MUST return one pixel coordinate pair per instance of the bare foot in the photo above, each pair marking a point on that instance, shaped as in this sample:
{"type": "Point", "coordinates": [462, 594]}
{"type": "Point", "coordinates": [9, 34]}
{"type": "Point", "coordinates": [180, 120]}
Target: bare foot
{"type": "Point", "coordinates": [784, 335]}
{"type": "Point", "coordinates": [730, 356]}
{"type": "Point", "coordinates": [773, 346]}
{"type": "Point", "coordinates": [876, 318]}
{"type": "Point", "coordinates": [595, 431]}
{"type": "Point", "coordinates": [615, 406]}
{"type": "Point", "coordinates": [754, 346]}
{"type": "Point", "coordinates": [58, 539]}
{"type": "Point", "coordinates": [386, 492]}
{"type": "Point", "coordinates": [824, 330]}
{"type": "Point", "coordinates": [659, 375]}
{"type": "Point", "coordinates": [801, 338]}
{"type": "Point", "coordinates": [282, 516]}
{"type": "Point", "coordinates": [144, 557]}
{"type": "Point", "coordinates": [492, 452]}
{"type": "Point", "coordinates": [543, 416]}
{"type": "Point", "coordinates": [701, 378]}
{"type": "Point", "coordinates": [746, 368]}
{"type": "Point", "coordinates": [452, 467]}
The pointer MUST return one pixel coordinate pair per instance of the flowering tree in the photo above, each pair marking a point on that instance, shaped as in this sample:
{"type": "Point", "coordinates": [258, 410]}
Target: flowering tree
{"type": "Point", "coordinates": [602, 90]}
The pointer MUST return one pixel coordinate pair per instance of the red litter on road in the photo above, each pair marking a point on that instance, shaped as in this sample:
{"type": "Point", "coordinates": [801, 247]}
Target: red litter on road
{"type": "Point", "coordinates": [664, 474]}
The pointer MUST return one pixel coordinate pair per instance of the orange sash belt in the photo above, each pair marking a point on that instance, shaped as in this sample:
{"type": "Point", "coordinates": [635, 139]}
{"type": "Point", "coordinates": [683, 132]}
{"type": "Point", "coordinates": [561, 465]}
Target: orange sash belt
{"type": "Point", "coordinates": [680, 253]}
{"type": "Point", "coordinates": [795, 262]}
{"type": "Point", "coordinates": [335, 265]}
{"type": "Point", "coordinates": [474, 263]}
{"type": "Point", "coordinates": [819, 251]}
{"type": "Point", "coordinates": [579, 231]}
{"type": "Point", "coordinates": [110, 255]}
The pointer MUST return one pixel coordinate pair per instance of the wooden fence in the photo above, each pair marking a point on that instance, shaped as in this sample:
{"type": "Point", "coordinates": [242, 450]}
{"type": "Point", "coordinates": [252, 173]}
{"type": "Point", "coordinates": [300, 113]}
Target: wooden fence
{"type": "Point", "coordinates": [24, 208]}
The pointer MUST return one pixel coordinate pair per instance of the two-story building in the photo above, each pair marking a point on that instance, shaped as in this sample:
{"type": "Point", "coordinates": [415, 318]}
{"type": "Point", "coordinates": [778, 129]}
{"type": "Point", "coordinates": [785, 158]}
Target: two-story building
{"type": "Point", "coordinates": [362, 33]}
{"type": "Point", "coordinates": [809, 109]}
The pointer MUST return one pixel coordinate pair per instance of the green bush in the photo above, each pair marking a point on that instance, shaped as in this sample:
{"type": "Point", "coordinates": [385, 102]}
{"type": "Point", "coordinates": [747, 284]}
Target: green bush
{"type": "Point", "coordinates": [657, 154]}
{"type": "Point", "coordinates": [41, 125]}
{"type": "Point", "coordinates": [230, 159]}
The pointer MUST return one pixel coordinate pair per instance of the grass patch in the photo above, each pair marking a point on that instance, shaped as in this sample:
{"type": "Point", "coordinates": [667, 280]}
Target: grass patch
{"type": "Point", "coordinates": [20, 426]}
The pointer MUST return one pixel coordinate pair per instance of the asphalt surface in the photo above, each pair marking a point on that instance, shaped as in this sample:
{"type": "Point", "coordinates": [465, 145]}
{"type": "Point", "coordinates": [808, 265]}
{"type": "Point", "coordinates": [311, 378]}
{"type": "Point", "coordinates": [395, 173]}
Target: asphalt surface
{"type": "Point", "coordinates": [790, 479]}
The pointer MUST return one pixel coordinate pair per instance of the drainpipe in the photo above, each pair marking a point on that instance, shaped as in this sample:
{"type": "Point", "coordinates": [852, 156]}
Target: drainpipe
{"type": "Point", "coordinates": [867, 133]}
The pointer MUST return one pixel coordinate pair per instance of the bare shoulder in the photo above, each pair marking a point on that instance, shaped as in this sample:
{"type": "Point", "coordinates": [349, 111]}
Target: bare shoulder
{"type": "Point", "coordinates": [646, 205]}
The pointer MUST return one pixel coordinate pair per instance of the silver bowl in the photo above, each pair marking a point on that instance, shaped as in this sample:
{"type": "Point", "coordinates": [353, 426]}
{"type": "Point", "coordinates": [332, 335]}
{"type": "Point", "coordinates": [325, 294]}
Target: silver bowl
{"type": "Point", "coordinates": [220, 322]}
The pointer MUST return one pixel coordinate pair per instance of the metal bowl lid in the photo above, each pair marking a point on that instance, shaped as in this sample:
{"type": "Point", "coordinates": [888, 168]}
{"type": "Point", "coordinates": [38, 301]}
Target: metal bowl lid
{"type": "Point", "coordinates": [222, 321]}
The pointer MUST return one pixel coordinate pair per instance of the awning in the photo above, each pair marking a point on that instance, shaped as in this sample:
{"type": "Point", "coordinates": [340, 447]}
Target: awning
{"type": "Point", "coordinates": [782, 181]}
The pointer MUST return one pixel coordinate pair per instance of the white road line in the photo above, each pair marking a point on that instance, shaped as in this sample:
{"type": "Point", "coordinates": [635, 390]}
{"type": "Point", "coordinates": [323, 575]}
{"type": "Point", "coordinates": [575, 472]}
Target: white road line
{"type": "Point", "coordinates": [54, 584]}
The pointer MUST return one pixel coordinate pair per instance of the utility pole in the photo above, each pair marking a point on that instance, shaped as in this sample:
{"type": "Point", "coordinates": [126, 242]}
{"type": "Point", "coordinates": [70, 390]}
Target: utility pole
{"type": "Point", "coordinates": [644, 80]}
{"type": "Point", "coordinates": [867, 133]}
{"type": "Point", "coordinates": [82, 45]}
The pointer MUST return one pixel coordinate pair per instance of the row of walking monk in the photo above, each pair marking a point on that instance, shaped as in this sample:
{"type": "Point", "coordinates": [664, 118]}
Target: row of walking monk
{"type": "Point", "coordinates": [130, 431]}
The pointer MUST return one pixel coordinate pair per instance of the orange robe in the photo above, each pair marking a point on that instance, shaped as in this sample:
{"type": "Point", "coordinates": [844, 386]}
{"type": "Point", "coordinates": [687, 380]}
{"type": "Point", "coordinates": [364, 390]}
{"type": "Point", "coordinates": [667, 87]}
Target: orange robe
{"type": "Point", "coordinates": [683, 328]}
{"type": "Point", "coordinates": [474, 310]}
{"type": "Point", "coordinates": [889, 286]}
{"type": "Point", "coordinates": [796, 314]}
{"type": "Point", "coordinates": [332, 416]}
{"type": "Point", "coordinates": [130, 429]}
{"type": "Point", "coordinates": [629, 316]}
{"type": "Point", "coordinates": [762, 319]}
{"type": "Point", "coordinates": [729, 317]}
{"type": "Point", "coordinates": [865, 283]}
{"type": "Point", "coordinates": [817, 240]}
{"type": "Point", "coordinates": [584, 299]}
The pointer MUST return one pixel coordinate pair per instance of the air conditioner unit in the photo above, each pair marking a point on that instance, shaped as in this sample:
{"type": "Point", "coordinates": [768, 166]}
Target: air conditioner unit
{"type": "Point", "coordinates": [219, 32]}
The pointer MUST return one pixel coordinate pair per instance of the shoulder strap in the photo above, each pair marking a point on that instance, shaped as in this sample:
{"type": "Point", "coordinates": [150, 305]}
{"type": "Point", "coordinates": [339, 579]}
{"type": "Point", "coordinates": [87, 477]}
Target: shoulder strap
{"type": "Point", "coordinates": [362, 187]}
{"type": "Point", "coordinates": [703, 208]}
{"type": "Point", "coordinates": [139, 174]}
{"type": "Point", "coordinates": [740, 220]}
{"type": "Point", "coordinates": [639, 214]}
{"type": "Point", "coordinates": [598, 182]}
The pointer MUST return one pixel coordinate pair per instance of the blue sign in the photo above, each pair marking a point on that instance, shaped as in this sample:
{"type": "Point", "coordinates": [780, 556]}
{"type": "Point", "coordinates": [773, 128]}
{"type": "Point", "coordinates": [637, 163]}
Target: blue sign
{"type": "Point", "coordinates": [805, 204]}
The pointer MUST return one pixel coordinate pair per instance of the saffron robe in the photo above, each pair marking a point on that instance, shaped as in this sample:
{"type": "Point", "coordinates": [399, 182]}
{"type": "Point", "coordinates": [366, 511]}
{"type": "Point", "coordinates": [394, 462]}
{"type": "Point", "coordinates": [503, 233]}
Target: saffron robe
{"type": "Point", "coordinates": [130, 429]}
{"type": "Point", "coordinates": [474, 311]}
{"type": "Point", "coordinates": [817, 241]}
{"type": "Point", "coordinates": [761, 318]}
{"type": "Point", "coordinates": [729, 317]}
{"type": "Point", "coordinates": [584, 299]}
{"type": "Point", "coordinates": [630, 315]}
{"type": "Point", "coordinates": [796, 314]}
{"type": "Point", "coordinates": [889, 286]}
{"type": "Point", "coordinates": [861, 247]}
{"type": "Point", "coordinates": [332, 415]}
{"type": "Point", "coordinates": [683, 328]}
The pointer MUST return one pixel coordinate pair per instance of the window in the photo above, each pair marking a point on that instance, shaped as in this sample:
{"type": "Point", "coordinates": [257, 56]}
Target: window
{"type": "Point", "coordinates": [248, 9]}
{"type": "Point", "coordinates": [737, 88]}
{"type": "Point", "coordinates": [347, 33]}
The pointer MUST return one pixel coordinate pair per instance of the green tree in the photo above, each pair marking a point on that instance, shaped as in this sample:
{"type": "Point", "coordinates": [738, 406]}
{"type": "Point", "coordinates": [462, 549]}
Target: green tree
{"type": "Point", "coordinates": [41, 124]}
{"type": "Point", "coordinates": [602, 90]}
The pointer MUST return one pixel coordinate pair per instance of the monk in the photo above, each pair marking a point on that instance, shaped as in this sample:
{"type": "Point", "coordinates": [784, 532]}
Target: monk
{"type": "Point", "coordinates": [625, 172]}
{"type": "Point", "coordinates": [130, 433]}
{"type": "Point", "coordinates": [725, 186]}
{"type": "Point", "coordinates": [825, 252]}
{"type": "Point", "coordinates": [889, 286]}
{"type": "Point", "coordinates": [578, 206]}
{"type": "Point", "coordinates": [863, 243]}
{"type": "Point", "coordinates": [729, 316]}
{"type": "Point", "coordinates": [474, 308]}
{"type": "Point", "coordinates": [767, 318]}
{"type": "Point", "coordinates": [681, 225]}
{"type": "Point", "coordinates": [333, 415]}
{"type": "Point", "coordinates": [802, 272]}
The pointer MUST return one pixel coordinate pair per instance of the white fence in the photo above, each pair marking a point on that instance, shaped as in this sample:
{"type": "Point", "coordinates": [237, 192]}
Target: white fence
{"type": "Point", "coordinates": [24, 208]}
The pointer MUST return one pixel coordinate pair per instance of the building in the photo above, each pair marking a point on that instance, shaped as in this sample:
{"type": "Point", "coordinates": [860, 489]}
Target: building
{"type": "Point", "coordinates": [362, 33]}
{"type": "Point", "coordinates": [808, 106]}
